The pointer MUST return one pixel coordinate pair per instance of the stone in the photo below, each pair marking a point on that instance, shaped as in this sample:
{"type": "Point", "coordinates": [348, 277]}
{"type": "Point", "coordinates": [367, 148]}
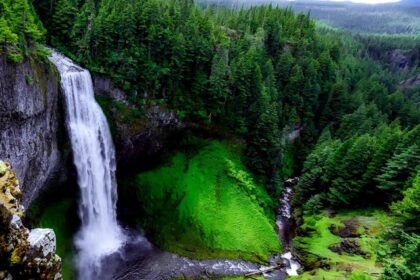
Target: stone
{"type": "Point", "coordinates": [351, 229]}
{"type": "Point", "coordinates": [24, 254]}
{"type": "Point", "coordinates": [30, 124]}
{"type": "Point", "coordinates": [42, 241]}
{"type": "Point", "coordinates": [3, 168]}
{"type": "Point", "coordinates": [348, 246]}
{"type": "Point", "coordinates": [144, 139]}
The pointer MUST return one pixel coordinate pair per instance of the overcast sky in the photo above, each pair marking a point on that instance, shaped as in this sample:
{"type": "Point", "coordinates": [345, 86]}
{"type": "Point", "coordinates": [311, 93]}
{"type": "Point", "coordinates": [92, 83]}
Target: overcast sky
{"type": "Point", "coordinates": [365, 1]}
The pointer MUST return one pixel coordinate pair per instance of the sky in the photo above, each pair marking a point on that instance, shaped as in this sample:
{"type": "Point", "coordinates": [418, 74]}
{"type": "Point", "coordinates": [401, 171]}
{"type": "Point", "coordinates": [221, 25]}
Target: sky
{"type": "Point", "coordinates": [366, 1]}
{"type": "Point", "coordinates": [371, 1]}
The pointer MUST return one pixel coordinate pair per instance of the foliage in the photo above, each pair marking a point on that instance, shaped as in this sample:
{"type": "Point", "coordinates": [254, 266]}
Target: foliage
{"type": "Point", "coordinates": [19, 28]}
{"type": "Point", "coordinates": [207, 205]}
{"type": "Point", "coordinates": [408, 209]}
{"type": "Point", "coordinates": [253, 71]}
{"type": "Point", "coordinates": [408, 266]}
{"type": "Point", "coordinates": [313, 244]}
{"type": "Point", "coordinates": [361, 170]}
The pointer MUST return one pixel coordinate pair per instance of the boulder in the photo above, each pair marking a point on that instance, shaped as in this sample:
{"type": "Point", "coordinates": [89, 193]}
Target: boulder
{"type": "Point", "coordinates": [348, 246]}
{"type": "Point", "coordinates": [42, 241]}
{"type": "Point", "coordinates": [24, 254]}
{"type": "Point", "coordinates": [351, 228]}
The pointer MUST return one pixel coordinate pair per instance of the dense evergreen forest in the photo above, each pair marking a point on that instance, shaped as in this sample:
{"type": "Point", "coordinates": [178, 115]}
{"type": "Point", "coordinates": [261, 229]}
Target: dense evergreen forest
{"type": "Point", "coordinates": [257, 75]}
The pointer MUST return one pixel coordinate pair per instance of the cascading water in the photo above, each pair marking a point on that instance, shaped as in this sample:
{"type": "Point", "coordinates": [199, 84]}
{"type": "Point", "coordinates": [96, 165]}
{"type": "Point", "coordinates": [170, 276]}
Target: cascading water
{"type": "Point", "coordinates": [284, 219]}
{"type": "Point", "coordinates": [94, 158]}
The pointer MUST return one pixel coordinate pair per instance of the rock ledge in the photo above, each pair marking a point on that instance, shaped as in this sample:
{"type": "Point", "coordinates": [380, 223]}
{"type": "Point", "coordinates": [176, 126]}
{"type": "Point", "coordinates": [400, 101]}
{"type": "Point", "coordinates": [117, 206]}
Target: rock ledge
{"type": "Point", "coordinates": [24, 253]}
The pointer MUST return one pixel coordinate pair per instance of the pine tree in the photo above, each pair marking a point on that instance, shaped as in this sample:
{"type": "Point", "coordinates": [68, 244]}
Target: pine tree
{"type": "Point", "coordinates": [63, 20]}
{"type": "Point", "coordinates": [398, 170]}
{"type": "Point", "coordinates": [349, 184]}
{"type": "Point", "coordinates": [219, 83]}
{"type": "Point", "coordinates": [408, 209]}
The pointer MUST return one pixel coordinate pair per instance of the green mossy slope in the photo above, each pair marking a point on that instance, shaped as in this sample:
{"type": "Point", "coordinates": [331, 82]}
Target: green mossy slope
{"type": "Point", "coordinates": [314, 247]}
{"type": "Point", "coordinates": [207, 205]}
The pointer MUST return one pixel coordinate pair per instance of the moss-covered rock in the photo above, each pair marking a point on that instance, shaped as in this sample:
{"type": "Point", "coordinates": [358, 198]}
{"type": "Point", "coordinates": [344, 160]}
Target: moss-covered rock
{"type": "Point", "coordinates": [332, 246]}
{"type": "Point", "coordinates": [24, 254]}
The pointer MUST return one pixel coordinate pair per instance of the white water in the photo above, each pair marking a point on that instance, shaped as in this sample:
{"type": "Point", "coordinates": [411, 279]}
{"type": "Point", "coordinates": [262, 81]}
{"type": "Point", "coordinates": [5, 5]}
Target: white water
{"type": "Point", "coordinates": [94, 158]}
{"type": "Point", "coordinates": [282, 222]}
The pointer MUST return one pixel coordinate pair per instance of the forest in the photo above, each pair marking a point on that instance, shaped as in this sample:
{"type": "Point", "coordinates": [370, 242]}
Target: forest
{"type": "Point", "coordinates": [265, 94]}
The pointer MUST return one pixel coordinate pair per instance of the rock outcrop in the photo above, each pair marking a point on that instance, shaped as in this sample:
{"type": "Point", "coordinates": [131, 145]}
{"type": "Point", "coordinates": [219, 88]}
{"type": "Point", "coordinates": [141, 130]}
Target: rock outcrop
{"type": "Point", "coordinates": [139, 137]}
{"type": "Point", "coordinates": [399, 59]}
{"type": "Point", "coordinates": [412, 83]}
{"type": "Point", "coordinates": [30, 123]}
{"type": "Point", "coordinates": [24, 253]}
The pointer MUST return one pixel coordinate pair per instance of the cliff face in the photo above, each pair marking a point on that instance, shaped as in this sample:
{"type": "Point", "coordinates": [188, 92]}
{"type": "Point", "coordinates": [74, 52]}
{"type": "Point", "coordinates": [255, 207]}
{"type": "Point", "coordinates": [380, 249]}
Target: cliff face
{"type": "Point", "coordinates": [24, 253]}
{"type": "Point", "coordinates": [30, 123]}
{"type": "Point", "coordinates": [139, 137]}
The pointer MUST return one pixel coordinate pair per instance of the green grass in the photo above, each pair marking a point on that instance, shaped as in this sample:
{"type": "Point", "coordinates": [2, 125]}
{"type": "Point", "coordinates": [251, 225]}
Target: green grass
{"type": "Point", "coordinates": [207, 205]}
{"type": "Point", "coordinates": [319, 238]}
{"type": "Point", "coordinates": [321, 274]}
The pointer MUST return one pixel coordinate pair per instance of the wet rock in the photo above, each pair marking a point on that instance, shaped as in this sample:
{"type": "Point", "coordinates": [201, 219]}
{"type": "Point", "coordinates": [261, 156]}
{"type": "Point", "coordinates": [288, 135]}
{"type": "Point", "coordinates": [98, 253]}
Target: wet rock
{"type": "Point", "coordinates": [351, 229]}
{"type": "Point", "coordinates": [309, 261]}
{"type": "Point", "coordinates": [104, 87]}
{"type": "Point", "coordinates": [24, 254]}
{"type": "Point", "coordinates": [348, 246]}
{"type": "Point", "coordinates": [30, 123]}
{"type": "Point", "coordinates": [331, 213]}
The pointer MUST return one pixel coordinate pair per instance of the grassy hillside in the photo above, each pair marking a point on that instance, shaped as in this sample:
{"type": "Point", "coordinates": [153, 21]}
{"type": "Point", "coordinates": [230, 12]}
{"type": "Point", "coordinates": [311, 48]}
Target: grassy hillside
{"type": "Point", "coordinates": [206, 205]}
{"type": "Point", "coordinates": [321, 233]}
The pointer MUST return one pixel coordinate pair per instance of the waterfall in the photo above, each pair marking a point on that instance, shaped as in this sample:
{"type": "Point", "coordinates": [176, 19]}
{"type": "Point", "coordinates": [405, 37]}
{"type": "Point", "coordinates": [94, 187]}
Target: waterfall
{"type": "Point", "coordinates": [94, 158]}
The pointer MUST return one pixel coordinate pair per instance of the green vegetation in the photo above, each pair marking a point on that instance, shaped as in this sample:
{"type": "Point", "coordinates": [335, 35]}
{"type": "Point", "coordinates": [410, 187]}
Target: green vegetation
{"type": "Point", "coordinates": [20, 28]}
{"type": "Point", "coordinates": [366, 166]}
{"type": "Point", "coordinates": [321, 232]}
{"type": "Point", "coordinates": [375, 19]}
{"type": "Point", "coordinates": [206, 204]}
{"type": "Point", "coordinates": [259, 73]}
{"type": "Point", "coordinates": [255, 72]}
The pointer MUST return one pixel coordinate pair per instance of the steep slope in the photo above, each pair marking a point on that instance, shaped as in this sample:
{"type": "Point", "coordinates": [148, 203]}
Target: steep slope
{"type": "Point", "coordinates": [205, 205]}
{"type": "Point", "coordinates": [30, 120]}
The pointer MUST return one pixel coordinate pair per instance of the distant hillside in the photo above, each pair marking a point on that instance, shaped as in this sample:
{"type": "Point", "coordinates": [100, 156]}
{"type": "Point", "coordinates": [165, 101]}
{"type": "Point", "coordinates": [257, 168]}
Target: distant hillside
{"type": "Point", "coordinates": [411, 2]}
{"type": "Point", "coordinates": [395, 18]}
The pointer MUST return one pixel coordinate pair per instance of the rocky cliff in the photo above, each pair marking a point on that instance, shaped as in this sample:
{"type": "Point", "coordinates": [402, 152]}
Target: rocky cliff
{"type": "Point", "coordinates": [139, 136]}
{"type": "Point", "coordinates": [24, 254]}
{"type": "Point", "coordinates": [30, 123]}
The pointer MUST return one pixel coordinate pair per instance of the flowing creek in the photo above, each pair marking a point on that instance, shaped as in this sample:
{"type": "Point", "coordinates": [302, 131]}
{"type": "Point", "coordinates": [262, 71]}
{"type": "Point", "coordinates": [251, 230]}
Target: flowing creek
{"type": "Point", "coordinates": [105, 251]}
